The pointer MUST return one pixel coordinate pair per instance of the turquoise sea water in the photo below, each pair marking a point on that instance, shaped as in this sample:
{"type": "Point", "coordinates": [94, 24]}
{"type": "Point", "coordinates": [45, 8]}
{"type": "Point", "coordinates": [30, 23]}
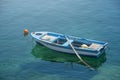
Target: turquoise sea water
{"type": "Point", "coordinates": [22, 59]}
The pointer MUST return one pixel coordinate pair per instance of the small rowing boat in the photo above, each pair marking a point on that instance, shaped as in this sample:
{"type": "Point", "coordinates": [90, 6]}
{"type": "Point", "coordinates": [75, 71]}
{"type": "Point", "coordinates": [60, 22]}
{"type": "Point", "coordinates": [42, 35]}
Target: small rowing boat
{"type": "Point", "coordinates": [58, 42]}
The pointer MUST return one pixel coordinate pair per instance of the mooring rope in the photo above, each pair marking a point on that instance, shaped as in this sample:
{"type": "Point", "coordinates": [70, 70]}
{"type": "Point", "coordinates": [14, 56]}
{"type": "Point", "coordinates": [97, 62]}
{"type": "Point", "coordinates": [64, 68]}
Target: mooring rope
{"type": "Point", "coordinates": [78, 54]}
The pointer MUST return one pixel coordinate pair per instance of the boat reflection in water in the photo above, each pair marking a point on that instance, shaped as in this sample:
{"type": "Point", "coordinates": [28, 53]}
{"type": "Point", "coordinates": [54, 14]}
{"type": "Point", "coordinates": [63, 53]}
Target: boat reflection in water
{"type": "Point", "coordinates": [44, 53]}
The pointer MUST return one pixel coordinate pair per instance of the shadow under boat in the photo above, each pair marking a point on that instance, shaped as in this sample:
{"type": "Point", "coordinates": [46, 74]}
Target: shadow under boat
{"type": "Point", "coordinates": [47, 54]}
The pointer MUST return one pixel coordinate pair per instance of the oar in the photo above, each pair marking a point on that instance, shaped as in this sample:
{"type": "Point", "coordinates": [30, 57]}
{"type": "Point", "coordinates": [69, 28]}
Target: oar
{"type": "Point", "coordinates": [78, 54]}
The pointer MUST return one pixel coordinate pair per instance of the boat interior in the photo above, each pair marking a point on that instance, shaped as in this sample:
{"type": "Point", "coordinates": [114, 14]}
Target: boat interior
{"type": "Point", "coordinates": [78, 43]}
{"type": "Point", "coordinates": [74, 43]}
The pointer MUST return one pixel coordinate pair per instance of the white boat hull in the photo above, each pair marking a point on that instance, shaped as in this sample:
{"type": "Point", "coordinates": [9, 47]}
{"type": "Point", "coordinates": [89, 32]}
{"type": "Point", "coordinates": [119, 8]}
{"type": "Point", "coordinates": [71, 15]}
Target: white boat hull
{"type": "Point", "coordinates": [48, 41]}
